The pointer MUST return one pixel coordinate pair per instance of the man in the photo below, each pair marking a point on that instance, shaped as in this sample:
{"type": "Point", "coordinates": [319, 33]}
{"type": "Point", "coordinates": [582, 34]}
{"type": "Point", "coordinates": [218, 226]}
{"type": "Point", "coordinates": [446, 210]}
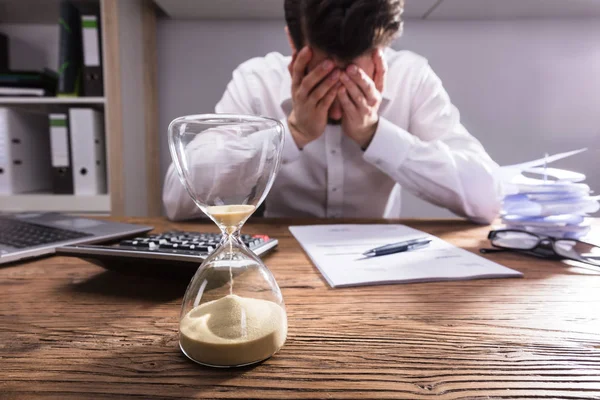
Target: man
{"type": "Point", "coordinates": [361, 120]}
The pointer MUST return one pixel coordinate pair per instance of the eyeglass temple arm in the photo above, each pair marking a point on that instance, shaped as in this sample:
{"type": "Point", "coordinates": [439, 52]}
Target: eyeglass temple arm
{"type": "Point", "coordinates": [486, 251]}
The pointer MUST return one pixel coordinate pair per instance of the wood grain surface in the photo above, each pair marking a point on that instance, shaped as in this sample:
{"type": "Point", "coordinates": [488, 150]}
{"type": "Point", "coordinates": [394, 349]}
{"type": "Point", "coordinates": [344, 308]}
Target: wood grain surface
{"type": "Point", "coordinates": [71, 330]}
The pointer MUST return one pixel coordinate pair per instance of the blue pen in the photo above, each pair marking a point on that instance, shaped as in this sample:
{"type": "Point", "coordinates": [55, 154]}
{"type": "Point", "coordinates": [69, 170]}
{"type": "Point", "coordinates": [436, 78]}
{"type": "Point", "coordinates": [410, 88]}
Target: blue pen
{"type": "Point", "coordinates": [399, 247]}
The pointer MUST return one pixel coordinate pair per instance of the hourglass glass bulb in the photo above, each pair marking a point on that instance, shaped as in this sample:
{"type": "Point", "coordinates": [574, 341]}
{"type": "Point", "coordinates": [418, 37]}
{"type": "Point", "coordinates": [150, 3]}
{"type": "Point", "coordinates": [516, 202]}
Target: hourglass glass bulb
{"type": "Point", "coordinates": [233, 312]}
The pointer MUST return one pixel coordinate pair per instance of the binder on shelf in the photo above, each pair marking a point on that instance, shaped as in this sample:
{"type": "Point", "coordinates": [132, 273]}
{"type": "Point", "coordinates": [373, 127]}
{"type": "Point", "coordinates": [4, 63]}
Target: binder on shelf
{"type": "Point", "coordinates": [70, 57]}
{"type": "Point", "coordinates": [62, 172]}
{"type": "Point", "coordinates": [3, 52]}
{"type": "Point", "coordinates": [93, 81]}
{"type": "Point", "coordinates": [24, 152]}
{"type": "Point", "coordinates": [86, 129]}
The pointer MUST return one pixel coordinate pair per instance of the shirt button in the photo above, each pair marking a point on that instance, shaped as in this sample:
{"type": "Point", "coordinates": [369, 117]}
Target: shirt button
{"type": "Point", "coordinates": [334, 189]}
{"type": "Point", "coordinates": [333, 151]}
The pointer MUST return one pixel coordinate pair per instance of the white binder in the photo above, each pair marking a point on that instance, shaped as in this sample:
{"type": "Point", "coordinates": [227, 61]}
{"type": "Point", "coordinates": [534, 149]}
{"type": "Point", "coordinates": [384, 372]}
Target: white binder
{"type": "Point", "coordinates": [91, 40]}
{"type": "Point", "coordinates": [86, 127]}
{"type": "Point", "coordinates": [59, 141]}
{"type": "Point", "coordinates": [62, 171]}
{"type": "Point", "coordinates": [24, 152]}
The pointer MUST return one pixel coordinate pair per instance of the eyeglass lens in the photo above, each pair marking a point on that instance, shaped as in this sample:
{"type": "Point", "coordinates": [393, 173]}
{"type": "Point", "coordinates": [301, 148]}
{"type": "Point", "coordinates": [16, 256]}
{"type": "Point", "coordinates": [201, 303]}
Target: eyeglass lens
{"type": "Point", "coordinates": [578, 251]}
{"type": "Point", "coordinates": [515, 240]}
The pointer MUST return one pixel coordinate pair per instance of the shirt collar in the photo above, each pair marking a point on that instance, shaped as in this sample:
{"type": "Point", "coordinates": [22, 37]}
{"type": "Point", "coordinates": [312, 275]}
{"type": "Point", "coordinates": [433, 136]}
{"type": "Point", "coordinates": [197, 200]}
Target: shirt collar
{"type": "Point", "coordinates": [285, 93]}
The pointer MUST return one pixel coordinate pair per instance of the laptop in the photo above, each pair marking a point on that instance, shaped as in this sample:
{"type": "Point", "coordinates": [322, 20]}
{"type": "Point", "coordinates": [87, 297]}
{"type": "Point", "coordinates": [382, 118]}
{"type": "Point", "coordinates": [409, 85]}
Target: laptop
{"type": "Point", "coordinates": [28, 235]}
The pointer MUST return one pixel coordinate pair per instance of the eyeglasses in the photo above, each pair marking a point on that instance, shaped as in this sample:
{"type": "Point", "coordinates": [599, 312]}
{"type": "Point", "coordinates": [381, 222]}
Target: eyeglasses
{"type": "Point", "coordinates": [512, 239]}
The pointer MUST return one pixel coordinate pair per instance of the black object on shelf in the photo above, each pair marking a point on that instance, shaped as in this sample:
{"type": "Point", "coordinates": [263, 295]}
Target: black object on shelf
{"type": "Point", "coordinates": [28, 83]}
{"type": "Point", "coordinates": [3, 52]}
{"type": "Point", "coordinates": [70, 58]}
{"type": "Point", "coordinates": [91, 33]}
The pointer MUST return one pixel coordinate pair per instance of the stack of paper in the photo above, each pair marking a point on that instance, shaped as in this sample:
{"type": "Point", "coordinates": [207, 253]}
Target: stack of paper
{"type": "Point", "coordinates": [555, 203]}
{"type": "Point", "coordinates": [337, 251]}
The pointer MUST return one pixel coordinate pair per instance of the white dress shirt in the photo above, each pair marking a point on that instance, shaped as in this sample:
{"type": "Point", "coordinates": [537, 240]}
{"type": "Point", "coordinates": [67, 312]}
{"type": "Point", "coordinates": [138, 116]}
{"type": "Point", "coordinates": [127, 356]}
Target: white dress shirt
{"type": "Point", "coordinates": [419, 145]}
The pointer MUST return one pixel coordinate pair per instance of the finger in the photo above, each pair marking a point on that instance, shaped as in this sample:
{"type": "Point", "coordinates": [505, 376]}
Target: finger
{"type": "Point", "coordinates": [320, 91]}
{"type": "Point", "coordinates": [354, 92]}
{"type": "Point", "coordinates": [347, 105]}
{"type": "Point", "coordinates": [299, 67]}
{"type": "Point", "coordinates": [291, 64]}
{"type": "Point", "coordinates": [310, 81]}
{"type": "Point", "coordinates": [365, 84]}
{"type": "Point", "coordinates": [329, 97]}
{"type": "Point", "coordinates": [380, 70]}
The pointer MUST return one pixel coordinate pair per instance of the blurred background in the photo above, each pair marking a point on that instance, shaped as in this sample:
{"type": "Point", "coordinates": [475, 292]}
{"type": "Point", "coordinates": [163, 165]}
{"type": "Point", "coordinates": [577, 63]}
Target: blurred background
{"type": "Point", "coordinates": [525, 75]}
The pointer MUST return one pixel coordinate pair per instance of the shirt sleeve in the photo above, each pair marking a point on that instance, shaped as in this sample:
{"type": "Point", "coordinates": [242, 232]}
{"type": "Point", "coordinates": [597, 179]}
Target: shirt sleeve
{"type": "Point", "coordinates": [237, 99]}
{"type": "Point", "coordinates": [212, 174]}
{"type": "Point", "coordinates": [290, 151]}
{"type": "Point", "coordinates": [178, 203]}
{"type": "Point", "coordinates": [241, 98]}
{"type": "Point", "coordinates": [436, 159]}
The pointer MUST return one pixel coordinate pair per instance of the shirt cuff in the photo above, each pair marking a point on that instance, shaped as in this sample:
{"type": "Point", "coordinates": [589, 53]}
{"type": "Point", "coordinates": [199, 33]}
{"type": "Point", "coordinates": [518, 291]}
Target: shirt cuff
{"type": "Point", "coordinates": [290, 151]}
{"type": "Point", "coordinates": [389, 147]}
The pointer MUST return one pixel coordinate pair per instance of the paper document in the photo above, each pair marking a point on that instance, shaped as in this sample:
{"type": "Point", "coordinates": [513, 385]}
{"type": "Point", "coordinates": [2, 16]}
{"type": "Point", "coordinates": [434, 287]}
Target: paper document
{"type": "Point", "coordinates": [507, 172]}
{"type": "Point", "coordinates": [336, 250]}
{"type": "Point", "coordinates": [554, 204]}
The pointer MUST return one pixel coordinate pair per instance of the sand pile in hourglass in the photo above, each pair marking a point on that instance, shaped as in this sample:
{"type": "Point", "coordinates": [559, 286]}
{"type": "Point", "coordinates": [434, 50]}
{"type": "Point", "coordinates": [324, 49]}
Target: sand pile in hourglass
{"type": "Point", "coordinates": [233, 330]}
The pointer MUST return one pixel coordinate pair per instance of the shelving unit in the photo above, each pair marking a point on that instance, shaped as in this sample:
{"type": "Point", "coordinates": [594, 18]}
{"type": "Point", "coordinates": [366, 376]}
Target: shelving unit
{"type": "Point", "coordinates": [128, 30]}
{"type": "Point", "coordinates": [52, 100]}
{"type": "Point", "coordinates": [99, 204]}
{"type": "Point", "coordinates": [28, 28]}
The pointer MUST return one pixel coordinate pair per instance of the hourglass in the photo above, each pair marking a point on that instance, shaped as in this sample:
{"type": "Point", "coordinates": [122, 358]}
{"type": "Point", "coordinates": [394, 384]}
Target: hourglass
{"type": "Point", "coordinates": [233, 312]}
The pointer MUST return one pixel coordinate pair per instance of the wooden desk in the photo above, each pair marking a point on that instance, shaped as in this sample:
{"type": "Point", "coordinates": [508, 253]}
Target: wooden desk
{"type": "Point", "coordinates": [70, 330]}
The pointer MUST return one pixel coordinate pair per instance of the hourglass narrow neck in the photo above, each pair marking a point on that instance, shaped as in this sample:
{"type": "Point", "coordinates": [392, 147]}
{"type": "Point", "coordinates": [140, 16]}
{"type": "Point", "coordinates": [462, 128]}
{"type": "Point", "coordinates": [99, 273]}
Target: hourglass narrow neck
{"type": "Point", "coordinates": [230, 233]}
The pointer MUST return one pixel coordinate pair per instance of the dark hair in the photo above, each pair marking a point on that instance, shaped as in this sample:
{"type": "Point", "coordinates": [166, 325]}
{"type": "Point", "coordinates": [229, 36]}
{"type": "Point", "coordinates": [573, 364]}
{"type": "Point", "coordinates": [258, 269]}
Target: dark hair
{"type": "Point", "coordinates": [344, 29]}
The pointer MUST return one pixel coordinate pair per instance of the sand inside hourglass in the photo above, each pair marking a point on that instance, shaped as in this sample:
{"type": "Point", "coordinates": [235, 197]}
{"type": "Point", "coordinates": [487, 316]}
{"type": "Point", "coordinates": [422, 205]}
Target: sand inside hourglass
{"type": "Point", "coordinates": [233, 331]}
{"type": "Point", "coordinates": [231, 215]}
{"type": "Point", "coordinates": [223, 323]}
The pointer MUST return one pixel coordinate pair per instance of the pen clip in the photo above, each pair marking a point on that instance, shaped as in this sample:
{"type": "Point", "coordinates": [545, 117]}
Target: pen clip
{"type": "Point", "coordinates": [415, 246]}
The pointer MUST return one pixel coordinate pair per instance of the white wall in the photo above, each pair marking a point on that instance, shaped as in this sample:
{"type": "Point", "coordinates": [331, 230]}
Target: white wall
{"type": "Point", "coordinates": [32, 47]}
{"type": "Point", "coordinates": [523, 87]}
{"type": "Point", "coordinates": [132, 103]}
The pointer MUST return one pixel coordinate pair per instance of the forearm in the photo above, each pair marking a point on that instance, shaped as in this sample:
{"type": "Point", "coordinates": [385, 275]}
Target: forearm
{"type": "Point", "coordinates": [453, 172]}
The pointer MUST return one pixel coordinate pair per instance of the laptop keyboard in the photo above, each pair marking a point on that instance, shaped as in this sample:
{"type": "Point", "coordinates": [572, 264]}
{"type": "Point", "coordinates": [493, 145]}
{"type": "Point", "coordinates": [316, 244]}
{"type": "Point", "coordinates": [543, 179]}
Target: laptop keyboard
{"type": "Point", "coordinates": [186, 242]}
{"type": "Point", "coordinates": [21, 234]}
